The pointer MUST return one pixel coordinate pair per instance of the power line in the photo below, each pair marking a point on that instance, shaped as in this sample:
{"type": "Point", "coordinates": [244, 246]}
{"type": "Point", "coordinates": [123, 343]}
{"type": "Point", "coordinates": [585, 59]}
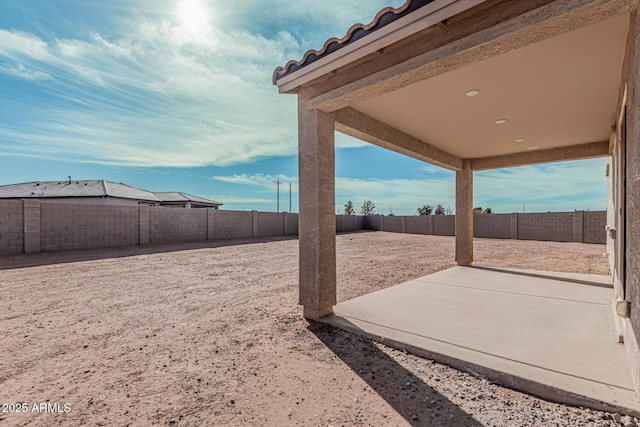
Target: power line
{"type": "Point", "coordinates": [278, 182]}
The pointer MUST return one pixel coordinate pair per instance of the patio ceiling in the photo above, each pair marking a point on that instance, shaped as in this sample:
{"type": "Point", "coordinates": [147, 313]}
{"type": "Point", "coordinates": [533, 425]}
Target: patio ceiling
{"type": "Point", "coordinates": [547, 76]}
{"type": "Point", "coordinates": [559, 92]}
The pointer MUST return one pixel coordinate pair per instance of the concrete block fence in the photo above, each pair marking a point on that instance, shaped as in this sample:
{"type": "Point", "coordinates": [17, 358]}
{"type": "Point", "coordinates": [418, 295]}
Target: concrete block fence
{"type": "Point", "coordinates": [33, 226]}
{"type": "Point", "coordinates": [578, 226]}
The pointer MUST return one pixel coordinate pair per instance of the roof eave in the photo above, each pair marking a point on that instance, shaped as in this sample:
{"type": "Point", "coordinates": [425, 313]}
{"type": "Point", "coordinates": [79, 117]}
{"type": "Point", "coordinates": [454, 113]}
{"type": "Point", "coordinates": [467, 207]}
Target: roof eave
{"type": "Point", "coordinates": [414, 22]}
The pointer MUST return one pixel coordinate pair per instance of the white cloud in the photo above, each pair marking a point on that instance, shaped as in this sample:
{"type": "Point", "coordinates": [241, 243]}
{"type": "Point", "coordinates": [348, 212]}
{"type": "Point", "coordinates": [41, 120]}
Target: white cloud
{"type": "Point", "coordinates": [19, 44]}
{"type": "Point", "coordinates": [23, 72]}
{"type": "Point", "coordinates": [148, 92]}
{"type": "Point", "coordinates": [227, 200]}
{"type": "Point", "coordinates": [149, 98]}
{"type": "Point", "coordinates": [556, 187]}
{"type": "Point", "coordinates": [403, 196]}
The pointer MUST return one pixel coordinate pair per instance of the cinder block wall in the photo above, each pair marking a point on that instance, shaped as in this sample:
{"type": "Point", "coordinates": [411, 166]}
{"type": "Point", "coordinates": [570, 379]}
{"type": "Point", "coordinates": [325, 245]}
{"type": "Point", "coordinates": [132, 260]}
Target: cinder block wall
{"type": "Point", "coordinates": [444, 225]}
{"type": "Point", "coordinates": [347, 223]}
{"type": "Point", "coordinates": [270, 224]}
{"type": "Point", "coordinates": [394, 224]}
{"type": "Point", "coordinates": [422, 224]}
{"type": "Point", "coordinates": [579, 226]}
{"type": "Point", "coordinates": [594, 227]}
{"type": "Point", "coordinates": [66, 226]}
{"type": "Point", "coordinates": [290, 224]}
{"type": "Point", "coordinates": [495, 226]}
{"type": "Point", "coordinates": [374, 222]}
{"type": "Point", "coordinates": [169, 225]}
{"type": "Point", "coordinates": [232, 224]}
{"type": "Point", "coordinates": [556, 226]}
{"type": "Point", "coordinates": [34, 226]}
{"type": "Point", "coordinates": [11, 227]}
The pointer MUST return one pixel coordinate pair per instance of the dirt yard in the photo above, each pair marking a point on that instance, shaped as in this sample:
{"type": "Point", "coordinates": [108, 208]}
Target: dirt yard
{"type": "Point", "coordinates": [212, 335]}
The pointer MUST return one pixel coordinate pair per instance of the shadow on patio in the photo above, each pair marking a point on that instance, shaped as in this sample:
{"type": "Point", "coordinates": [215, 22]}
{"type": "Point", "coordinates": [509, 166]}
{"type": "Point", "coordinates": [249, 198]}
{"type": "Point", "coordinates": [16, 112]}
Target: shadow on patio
{"type": "Point", "coordinates": [547, 334]}
{"type": "Point", "coordinates": [417, 402]}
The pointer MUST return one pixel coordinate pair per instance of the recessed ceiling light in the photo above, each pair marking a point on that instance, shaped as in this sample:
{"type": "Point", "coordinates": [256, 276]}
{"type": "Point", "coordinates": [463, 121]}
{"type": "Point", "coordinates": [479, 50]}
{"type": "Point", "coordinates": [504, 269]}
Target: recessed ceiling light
{"type": "Point", "coordinates": [533, 148]}
{"type": "Point", "coordinates": [520, 140]}
{"type": "Point", "coordinates": [473, 92]}
{"type": "Point", "coordinates": [501, 122]}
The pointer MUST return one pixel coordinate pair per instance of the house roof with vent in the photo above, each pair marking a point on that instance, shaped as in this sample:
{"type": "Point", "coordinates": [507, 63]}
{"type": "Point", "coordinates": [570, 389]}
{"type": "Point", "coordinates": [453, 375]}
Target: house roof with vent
{"type": "Point", "coordinates": [179, 197]}
{"type": "Point", "coordinates": [83, 188]}
{"type": "Point", "coordinates": [95, 188]}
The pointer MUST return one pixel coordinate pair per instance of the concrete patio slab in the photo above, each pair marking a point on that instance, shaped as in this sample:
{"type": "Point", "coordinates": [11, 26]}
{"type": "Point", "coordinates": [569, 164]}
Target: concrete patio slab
{"type": "Point", "coordinates": [548, 334]}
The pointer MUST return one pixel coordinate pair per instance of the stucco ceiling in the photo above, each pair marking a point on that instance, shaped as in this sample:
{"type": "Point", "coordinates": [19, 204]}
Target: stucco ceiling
{"type": "Point", "coordinates": [559, 92]}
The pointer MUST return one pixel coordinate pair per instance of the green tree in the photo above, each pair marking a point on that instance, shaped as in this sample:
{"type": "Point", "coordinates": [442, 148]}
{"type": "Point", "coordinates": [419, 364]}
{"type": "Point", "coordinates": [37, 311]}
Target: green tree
{"type": "Point", "coordinates": [368, 208]}
{"type": "Point", "coordinates": [425, 210]}
{"type": "Point", "coordinates": [348, 208]}
{"type": "Point", "coordinates": [439, 210]}
{"type": "Point", "coordinates": [487, 211]}
{"type": "Point", "coordinates": [477, 210]}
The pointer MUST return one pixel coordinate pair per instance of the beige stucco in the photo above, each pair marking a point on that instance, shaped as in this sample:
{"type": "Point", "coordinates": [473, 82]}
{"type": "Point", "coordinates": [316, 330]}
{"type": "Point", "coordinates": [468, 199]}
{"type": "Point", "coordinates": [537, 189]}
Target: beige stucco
{"type": "Point", "coordinates": [558, 92]}
{"type": "Point", "coordinates": [317, 200]}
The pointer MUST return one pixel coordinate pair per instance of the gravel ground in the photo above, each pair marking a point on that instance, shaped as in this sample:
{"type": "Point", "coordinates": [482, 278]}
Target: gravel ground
{"type": "Point", "coordinates": [211, 335]}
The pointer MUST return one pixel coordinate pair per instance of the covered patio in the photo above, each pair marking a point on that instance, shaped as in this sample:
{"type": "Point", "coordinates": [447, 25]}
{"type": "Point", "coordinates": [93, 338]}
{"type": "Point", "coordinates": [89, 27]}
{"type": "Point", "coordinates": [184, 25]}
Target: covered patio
{"type": "Point", "coordinates": [471, 85]}
{"type": "Point", "coordinates": [546, 333]}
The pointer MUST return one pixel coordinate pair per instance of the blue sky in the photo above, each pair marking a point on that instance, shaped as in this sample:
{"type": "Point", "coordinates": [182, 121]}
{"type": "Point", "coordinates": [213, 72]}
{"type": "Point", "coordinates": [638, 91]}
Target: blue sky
{"type": "Point", "coordinates": [176, 95]}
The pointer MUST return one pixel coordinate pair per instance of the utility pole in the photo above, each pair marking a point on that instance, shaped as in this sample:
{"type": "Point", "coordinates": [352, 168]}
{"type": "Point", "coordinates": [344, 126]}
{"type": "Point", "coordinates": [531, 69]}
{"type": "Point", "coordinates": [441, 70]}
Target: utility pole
{"type": "Point", "coordinates": [289, 197]}
{"type": "Point", "coordinates": [278, 182]}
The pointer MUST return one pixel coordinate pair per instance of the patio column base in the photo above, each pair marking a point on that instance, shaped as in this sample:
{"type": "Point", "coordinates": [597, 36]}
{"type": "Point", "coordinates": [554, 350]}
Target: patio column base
{"type": "Point", "coordinates": [315, 314]}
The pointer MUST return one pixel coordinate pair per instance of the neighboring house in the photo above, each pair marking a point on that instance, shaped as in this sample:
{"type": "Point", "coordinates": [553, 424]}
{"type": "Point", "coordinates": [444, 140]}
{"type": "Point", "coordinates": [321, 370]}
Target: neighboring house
{"type": "Point", "coordinates": [99, 192]}
{"type": "Point", "coordinates": [183, 200]}
{"type": "Point", "coordinates": [472, 85]}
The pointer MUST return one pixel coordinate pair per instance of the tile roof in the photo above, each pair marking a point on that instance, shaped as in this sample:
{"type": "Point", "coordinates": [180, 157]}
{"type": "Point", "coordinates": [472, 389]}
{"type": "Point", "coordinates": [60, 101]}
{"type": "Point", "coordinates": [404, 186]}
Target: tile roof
{"type": "Point", "coordinates": [176, 196]}
{"type": "Point", "coordinates": [356, 32]}
{"type": "Point", "coordinates": [84, 188]}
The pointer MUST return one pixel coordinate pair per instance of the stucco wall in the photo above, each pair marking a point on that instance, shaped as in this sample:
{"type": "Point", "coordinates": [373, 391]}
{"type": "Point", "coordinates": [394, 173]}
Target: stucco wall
{"type": "Point", "coordinates": [633, 196]}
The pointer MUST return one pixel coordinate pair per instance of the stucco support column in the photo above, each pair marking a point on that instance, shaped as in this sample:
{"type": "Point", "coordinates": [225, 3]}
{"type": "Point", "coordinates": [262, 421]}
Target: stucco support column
{"type": "Point", "coordinates": [464, 215]}
{"type": "Point", "coordinates": [317, 234]}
